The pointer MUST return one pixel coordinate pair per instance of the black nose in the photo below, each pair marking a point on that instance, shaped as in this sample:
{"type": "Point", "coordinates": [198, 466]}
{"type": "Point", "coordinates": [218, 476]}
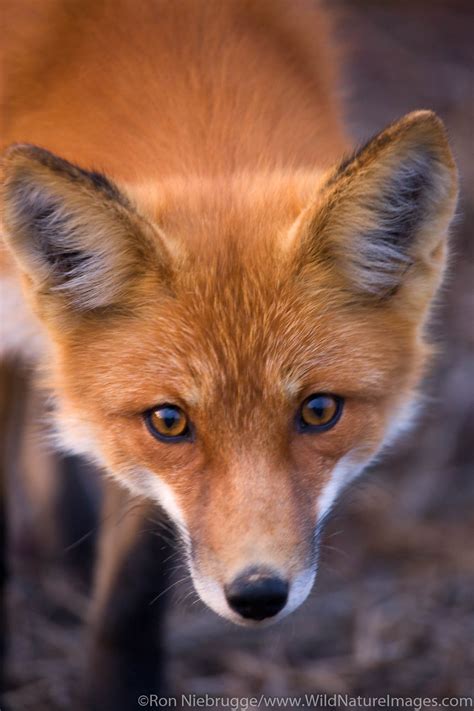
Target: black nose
{"type": "Point", "coordinates": [257, 594]}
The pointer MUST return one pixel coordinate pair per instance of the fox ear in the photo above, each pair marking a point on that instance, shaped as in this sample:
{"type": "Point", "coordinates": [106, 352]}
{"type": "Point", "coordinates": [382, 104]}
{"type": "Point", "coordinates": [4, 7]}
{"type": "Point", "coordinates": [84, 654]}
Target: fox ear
{"type": "Point", "coordinates": [382, 216]}
{"type": "Point", "coordinates": [72, 232]}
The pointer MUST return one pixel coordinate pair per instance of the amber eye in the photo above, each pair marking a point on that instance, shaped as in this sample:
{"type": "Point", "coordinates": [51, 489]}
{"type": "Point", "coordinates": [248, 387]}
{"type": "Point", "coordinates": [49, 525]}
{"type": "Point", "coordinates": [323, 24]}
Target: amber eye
{"type": "Point", "coordinates": [168, 422]}
{"type": "Point", "coordinates": [319, 412]}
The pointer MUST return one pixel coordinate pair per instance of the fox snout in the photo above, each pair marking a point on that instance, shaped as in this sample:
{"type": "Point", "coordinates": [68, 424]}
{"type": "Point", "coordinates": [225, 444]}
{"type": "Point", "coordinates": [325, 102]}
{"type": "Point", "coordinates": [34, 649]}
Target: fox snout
{"type": "Point", "coordinates": [257, 594]}
{"type": "Point", "coordinates": [252, 544]}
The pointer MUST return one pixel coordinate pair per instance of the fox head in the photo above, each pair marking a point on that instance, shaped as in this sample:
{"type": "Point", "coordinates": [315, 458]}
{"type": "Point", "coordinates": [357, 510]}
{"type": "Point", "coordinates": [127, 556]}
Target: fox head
{"type": "Point", "coordinates": [237, 348]}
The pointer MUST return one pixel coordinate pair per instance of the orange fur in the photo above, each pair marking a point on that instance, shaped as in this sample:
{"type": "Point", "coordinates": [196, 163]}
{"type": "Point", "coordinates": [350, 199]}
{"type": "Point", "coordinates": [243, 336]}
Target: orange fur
{"type": "Point", "coordinates": [143, 90]}
{"type": "Point", "coordinates": [235, 270]}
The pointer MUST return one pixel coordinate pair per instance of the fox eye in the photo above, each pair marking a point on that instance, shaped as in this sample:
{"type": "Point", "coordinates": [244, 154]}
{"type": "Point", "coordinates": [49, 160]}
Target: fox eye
{"type": "Point", "coordinates": [168, 423]}
{"type": "Point", "coordinates": [319, 412]}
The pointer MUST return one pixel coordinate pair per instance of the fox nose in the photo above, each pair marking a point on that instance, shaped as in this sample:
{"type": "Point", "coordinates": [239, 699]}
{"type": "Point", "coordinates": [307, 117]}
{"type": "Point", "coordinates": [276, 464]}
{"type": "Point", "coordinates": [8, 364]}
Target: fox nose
{"type": "Point", "coordinates": [257, 594]}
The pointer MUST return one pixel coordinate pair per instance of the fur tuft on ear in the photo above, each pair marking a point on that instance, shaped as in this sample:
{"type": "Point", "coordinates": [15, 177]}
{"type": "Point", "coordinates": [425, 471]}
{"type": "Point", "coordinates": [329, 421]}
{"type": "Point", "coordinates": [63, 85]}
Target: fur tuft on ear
{"type": "Point", "coordinates": [384, 213]}
{"type": "Point", "coordinates": [71, 231]}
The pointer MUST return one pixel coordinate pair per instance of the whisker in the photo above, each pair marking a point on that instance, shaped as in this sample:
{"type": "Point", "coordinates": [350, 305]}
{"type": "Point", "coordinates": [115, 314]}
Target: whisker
{"type": "Point", "coordinates": [163, 592]}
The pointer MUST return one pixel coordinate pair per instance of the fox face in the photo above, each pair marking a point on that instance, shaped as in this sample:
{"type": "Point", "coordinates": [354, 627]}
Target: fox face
{"type": "Point", "coordinates": [238, 348]}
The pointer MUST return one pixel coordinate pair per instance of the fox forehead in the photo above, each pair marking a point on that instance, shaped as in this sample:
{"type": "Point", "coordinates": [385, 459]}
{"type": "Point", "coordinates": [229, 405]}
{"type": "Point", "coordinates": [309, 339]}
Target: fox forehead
{"type": "Point", "coordinates": [237, 340]}
{"type": "Point", "coordinates": [206, 210]}
{"type": "Point", "coordinates": [241, 321]}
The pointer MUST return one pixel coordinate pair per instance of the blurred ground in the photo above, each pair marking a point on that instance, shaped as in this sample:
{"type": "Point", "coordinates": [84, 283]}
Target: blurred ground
{"type": "Point", "coordinates": [393, 610]}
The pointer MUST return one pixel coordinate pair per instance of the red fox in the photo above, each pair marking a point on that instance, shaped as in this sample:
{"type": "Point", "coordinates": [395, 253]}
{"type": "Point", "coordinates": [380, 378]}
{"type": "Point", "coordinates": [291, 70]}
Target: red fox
{"type": "Point", "coordinates": [227, 306]}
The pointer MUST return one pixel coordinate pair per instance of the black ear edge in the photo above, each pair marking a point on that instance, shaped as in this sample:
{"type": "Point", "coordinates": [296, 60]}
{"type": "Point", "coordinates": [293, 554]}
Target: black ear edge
{"type": "Point", "coordinates": [422, 128]}
{"type": "Point", "coordinates": [72, 231]}
{"type": "Point", "coordinates": [385, 209]}
{"type": "Point", "coordinates": [20, 154]}
{"type": "Point", "coordinates": [408, 173]}
{"type": "Point", "coordinates": [43, 235]}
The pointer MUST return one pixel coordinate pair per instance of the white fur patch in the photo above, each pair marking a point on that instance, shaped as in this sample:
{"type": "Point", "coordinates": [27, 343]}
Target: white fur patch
{"type": "Point", "coordinates": [343, 473]}
{"type": "Point", "coordinates": [348, 468]}
{"type": "Point", "coordinates": [146, 483]}
{"type": "Point", "coordinates": [73, 435]}
{"type": "Point", "coordinates": [155, 488]}
{"type": "Point", "coordinates": [299, 591]}
{"type": "Point", "coordinates": [20, 332]}
{"type": "Point", "coordinates": [212, 593]}
{"type": "Point", "coordinates": [403, 421]}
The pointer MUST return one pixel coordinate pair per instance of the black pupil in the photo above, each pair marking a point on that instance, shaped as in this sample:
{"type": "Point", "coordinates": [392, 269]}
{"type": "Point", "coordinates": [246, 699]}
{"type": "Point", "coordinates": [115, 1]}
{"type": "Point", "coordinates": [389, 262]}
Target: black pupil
{"type": "Point", "coordinates": [170, 417]}
{"type": "Point", "coordinates": [319, 406]}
